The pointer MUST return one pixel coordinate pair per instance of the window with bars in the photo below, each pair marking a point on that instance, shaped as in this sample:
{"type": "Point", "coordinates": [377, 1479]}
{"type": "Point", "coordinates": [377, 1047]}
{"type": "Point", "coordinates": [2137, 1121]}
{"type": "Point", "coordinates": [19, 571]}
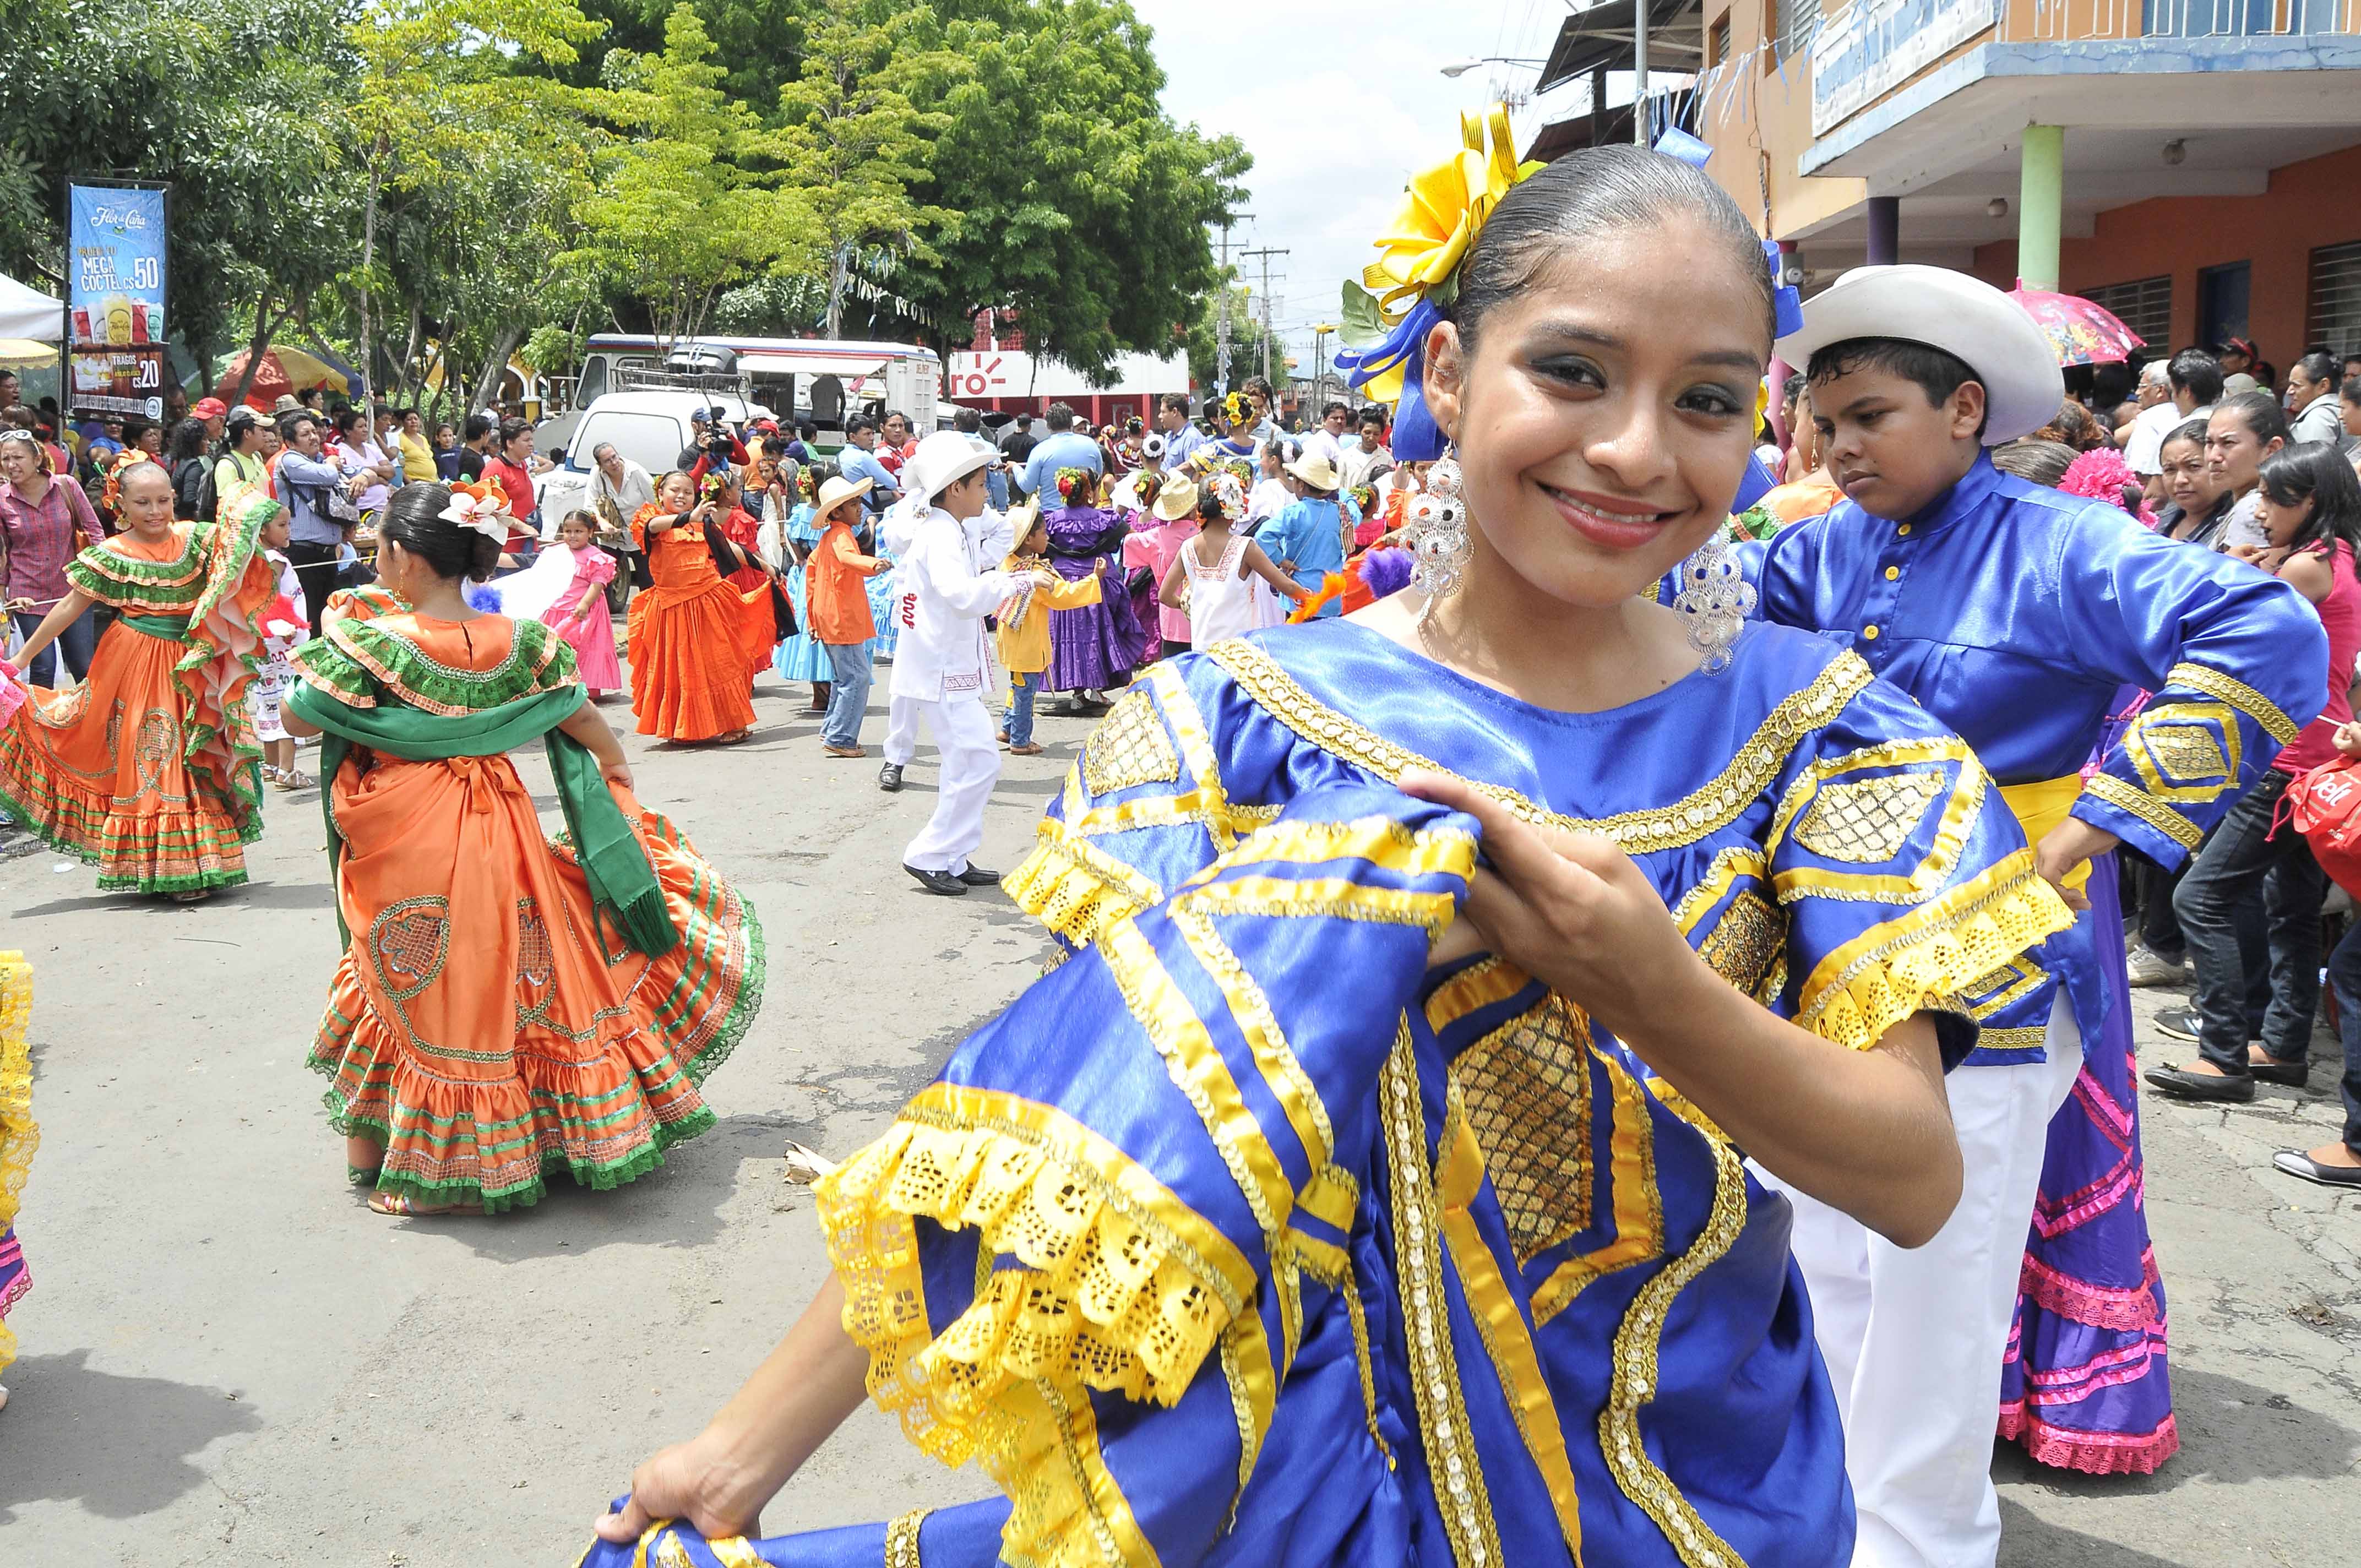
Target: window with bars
{"type": "Point", "coordinates": [1793, 23]}
{"type": "Point", "coordinates": [2144, 305]}
{"type": "Point", "coordinates": [1717, 41]}
{"type": "Point", "coordinates": [2332, 313]}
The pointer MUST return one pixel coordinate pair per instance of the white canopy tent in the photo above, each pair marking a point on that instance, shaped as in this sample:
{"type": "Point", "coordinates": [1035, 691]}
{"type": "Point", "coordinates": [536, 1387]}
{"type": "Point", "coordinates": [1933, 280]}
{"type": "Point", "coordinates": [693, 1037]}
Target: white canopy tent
{"type": "Point", "coordinates": [28, 312]}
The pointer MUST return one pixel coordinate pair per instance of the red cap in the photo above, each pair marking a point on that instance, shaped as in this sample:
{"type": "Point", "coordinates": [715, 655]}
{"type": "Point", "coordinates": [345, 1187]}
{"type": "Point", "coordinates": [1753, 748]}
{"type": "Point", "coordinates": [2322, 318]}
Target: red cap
{"type": "Point", "coordinates": [2244, 346]}
{"type": "Point", "coordinates": [210, 408]}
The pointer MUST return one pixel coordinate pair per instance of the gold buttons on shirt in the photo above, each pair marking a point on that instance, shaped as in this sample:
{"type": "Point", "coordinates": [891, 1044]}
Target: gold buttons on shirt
{"type": "Point", "coordinates": [1868, 633]}
{"type": "Point", "coordinates": [1902, 530]}
{"type": "Point", "coordinates": [1892, 573]}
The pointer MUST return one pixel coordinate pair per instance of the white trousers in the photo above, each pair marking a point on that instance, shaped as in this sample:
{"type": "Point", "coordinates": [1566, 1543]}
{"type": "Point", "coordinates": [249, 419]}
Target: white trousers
{"type": "Point", "coordinates": [962, 729]}
{"type": "Point", "coordinates": [1914, 1337]}
{"type": "Point", "coordinates": [901, 729]}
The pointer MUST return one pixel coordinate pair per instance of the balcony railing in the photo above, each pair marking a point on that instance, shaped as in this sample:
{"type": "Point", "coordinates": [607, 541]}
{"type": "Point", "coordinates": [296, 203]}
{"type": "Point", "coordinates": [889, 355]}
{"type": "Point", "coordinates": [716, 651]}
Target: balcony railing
{"type": "Point", "coordinates": [2061, 21]}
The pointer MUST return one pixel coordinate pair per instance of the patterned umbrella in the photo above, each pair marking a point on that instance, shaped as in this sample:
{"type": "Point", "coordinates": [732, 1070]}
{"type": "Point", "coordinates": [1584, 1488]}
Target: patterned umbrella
{"type": "Point", "coordinates": [281, 371]}
{"type": "Point", "coordinates": [2081, 332]}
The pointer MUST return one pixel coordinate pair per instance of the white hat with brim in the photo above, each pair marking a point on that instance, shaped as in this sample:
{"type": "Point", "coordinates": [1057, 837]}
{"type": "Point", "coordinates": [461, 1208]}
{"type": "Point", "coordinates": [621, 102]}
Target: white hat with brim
{"type": "Point", "coordinates": [1314, 469]}
{"type": "Point", "coordinates": [1176, 500]}
{"type": "Point", "coordinates": [942, 460]}
{"type": "Point", "coordinates": [1950, 311]}
{"type": "Point", "coordinates": [838, 491]}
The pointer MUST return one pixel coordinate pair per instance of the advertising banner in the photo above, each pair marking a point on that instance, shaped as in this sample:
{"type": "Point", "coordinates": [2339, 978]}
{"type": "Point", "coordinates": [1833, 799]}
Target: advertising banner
{"type": "Point", "coordinates": [1871, 47]}
{"type": "Point", "coordinates": [115, 300]}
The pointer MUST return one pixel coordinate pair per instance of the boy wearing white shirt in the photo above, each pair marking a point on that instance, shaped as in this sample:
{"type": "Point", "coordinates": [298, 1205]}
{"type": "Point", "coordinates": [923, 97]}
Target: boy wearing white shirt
{"type": "Point", "coordinates": [942, 663]}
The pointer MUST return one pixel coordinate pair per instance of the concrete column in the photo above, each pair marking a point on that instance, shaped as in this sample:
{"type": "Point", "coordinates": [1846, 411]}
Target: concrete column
{"type": "Point", "coordinates": [2040, 205]}
{"type": "Point", "coordinates": [1884, 230]}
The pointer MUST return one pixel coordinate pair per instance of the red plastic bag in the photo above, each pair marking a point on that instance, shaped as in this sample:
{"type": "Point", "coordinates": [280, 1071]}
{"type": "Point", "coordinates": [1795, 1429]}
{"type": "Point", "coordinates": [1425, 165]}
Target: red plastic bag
{"type": "Point", "coordinates": [2326, 806]}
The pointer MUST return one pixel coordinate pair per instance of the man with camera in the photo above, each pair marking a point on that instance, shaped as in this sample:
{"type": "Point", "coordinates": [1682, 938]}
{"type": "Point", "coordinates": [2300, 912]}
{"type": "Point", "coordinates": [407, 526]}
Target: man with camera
{"type": "Point", "coordinates": [714, 445]}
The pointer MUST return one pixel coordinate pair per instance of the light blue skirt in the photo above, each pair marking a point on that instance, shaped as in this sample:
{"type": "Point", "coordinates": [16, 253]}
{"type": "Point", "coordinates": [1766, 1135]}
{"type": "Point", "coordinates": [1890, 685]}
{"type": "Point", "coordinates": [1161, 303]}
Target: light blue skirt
{"type": "Point", "coordinates": [799, 658]}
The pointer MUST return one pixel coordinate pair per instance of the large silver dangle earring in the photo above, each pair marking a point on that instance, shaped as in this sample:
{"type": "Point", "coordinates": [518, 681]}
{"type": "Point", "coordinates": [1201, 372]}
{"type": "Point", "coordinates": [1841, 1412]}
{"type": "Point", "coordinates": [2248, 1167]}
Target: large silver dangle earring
{"type": "Point", "coordinates": [1437, 535]}
{"type": "Point", "coordinates": [1715, 598]}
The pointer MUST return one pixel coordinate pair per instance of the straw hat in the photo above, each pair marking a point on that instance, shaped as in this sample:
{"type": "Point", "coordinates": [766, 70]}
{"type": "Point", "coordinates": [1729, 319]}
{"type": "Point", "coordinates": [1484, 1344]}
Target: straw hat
{"type": "Point", "coordinates": [1176, 500]}
{"type": "Point", "coordinates": [1963, 316]}
{"type": "Point", "coordinates": [837, 491]}
{"type": "Point", "coordinates": [1314, 469]}
{"type": "Point", "coordinates": [1021, 519]}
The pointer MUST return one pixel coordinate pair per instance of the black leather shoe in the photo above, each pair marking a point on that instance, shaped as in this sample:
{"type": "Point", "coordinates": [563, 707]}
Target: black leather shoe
{"type": "Point", "coordinates": [2182, 1085]}
{"type": "Point", "coordinates": [889, 778]}
{"type": "Point", "coordinates": [942, 882]}
{"type": "Point", "coordinates": [976, 876]}
{"type": "Point", "coordinates": [2293, 1074]}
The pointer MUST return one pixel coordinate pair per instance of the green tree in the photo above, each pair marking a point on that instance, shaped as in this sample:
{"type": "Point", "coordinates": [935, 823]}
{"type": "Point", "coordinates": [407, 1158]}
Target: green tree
{"type": "Point", "coordinates": [673, 215]}
{"type": "Point", "coordinates": [852, 140]}
{"type": "Point", "coordinates": [1081, 205]}
{"type": "Point", "coordinates": [435, 76]}
{"type": "Point", "coordinates": [1203, 340]}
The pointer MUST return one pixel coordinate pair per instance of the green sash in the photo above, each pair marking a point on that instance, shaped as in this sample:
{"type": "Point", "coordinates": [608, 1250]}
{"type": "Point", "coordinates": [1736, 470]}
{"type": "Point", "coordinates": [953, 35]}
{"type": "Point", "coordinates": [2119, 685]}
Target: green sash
{"type": "Point", "coordinates": [169, 627]}
{"type": "Point", "coordinates": [622, 884]}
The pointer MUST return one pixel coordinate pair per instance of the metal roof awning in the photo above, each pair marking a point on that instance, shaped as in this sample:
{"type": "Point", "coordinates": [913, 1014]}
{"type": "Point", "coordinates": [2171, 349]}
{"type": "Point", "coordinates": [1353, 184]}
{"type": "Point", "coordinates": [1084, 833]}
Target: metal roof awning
{"type": "Point", "coordinates": [1555, 140]}
{"type": "Point", "coordinates": [858, 367]}
{"type": "Point", "coordinates": [1600, 38]}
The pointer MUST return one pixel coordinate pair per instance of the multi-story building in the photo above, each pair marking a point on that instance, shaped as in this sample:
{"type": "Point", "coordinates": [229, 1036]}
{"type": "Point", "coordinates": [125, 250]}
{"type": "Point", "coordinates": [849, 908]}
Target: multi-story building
{"type": "Point", "coordinates": [2194, 165]}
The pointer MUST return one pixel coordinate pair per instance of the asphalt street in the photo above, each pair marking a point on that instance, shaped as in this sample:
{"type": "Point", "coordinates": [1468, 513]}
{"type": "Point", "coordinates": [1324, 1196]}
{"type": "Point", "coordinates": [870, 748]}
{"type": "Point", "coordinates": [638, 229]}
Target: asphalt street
{"type": "Point", "coordinates": [227, 1359]}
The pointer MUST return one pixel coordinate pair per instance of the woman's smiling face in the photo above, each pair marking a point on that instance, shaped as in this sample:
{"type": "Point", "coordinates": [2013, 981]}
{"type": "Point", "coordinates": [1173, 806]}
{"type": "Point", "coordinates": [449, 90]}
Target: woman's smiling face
{"type": "Point", "coordinates": [1605, 413]}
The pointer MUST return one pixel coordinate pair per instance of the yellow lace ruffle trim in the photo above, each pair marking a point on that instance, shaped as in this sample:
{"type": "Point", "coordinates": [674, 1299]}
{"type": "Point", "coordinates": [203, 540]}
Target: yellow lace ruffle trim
{"type": "Point", "coordinates": [1121, 1288]}
{"type": "Point", "coordinates": [1930, 954]}
{"type": "Point", "coordinates": [1075, 890]}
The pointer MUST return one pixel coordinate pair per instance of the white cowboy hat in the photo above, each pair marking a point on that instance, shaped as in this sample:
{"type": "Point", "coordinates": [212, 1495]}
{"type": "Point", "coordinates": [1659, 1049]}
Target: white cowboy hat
{"type": "Point", "coordinates": [1126, 495]}
{"type": "Point", "coordinates": [1314, 469]}
{"type": "Point", "coordinates": [837, 491]}
{"type": "Point", "coordinates": [1950, 311]}
{"type": "Point", "coordinates": [942, 460]}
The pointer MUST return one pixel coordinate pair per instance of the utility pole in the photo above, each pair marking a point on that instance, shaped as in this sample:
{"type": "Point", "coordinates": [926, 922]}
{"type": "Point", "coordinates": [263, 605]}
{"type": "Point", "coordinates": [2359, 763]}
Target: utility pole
{"type": "Point", "coordinates": [1264, 254]}
{"type": "Point", "coordinates": [1222, 325]}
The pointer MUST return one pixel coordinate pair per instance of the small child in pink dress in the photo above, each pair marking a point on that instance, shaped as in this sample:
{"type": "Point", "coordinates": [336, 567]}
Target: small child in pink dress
{"type": "Point", "coordinates": [579, 612]}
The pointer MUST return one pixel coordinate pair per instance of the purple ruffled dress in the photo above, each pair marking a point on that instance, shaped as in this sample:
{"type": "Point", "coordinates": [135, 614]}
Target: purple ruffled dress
{"type": "Point", "coordinates": [1097, 646]}
{"type": "Point", "coordinates": [2085, 1385]}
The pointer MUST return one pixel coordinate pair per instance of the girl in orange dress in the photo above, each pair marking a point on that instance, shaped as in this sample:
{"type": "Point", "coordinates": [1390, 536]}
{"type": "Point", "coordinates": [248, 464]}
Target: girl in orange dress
{"type": "Point", "coordinates": [508, 1004]}
{"type": "Point", "coordinates": [695, 641]}
{"type": "Point", "coordinates": [149, 768]}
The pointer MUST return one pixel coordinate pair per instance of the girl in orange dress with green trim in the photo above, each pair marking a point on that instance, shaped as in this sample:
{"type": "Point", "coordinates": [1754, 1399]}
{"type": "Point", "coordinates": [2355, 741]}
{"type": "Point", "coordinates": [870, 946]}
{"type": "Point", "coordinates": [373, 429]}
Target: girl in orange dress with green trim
{"type": "Point", "coordinates": [507, 1005]}
{"type": "Point", "coordinates": [149, 768]}
{"type": "Point", "coordinates": [696, 643]}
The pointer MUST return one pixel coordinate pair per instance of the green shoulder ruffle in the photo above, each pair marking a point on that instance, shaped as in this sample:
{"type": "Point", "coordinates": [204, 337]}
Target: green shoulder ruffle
{"type": "Point", "coordinates": [144, 588]}
{"type": "Point", "coordinates": [358, 662]}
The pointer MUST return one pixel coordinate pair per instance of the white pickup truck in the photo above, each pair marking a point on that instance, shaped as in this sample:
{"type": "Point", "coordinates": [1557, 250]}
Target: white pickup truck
{"type": "Point", "coordinates": [651, 428]}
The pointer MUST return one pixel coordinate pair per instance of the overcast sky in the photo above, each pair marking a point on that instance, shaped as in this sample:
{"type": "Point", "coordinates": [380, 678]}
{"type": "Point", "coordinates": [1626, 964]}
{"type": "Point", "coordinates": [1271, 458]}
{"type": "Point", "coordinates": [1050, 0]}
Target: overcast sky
{"type": "Point", "coordinates": [1340, 102]}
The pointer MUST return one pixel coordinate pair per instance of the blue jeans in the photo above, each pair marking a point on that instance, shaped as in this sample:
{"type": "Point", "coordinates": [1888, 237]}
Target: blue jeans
{"type": "Point", "coordinates": [77, 642]}
{"type": "Point", "coordinates": [848, 693]}
{"type": "Point", "coordinates": [1022, 689]}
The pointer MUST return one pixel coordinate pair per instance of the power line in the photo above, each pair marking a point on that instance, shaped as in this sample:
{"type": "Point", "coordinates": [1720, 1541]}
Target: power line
{"type": "Point", "coordinates": [1264, 254]}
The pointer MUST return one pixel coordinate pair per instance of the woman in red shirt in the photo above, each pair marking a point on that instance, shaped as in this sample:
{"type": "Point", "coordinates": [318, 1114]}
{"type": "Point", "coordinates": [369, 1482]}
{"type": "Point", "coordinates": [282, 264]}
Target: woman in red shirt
{"type": "Point", "coordinates": [510, 465]}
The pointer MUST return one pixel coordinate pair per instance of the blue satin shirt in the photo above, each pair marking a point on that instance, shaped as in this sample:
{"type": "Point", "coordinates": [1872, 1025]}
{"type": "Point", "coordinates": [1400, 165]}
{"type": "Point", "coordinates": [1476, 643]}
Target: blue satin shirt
{"type": "Point", "coordinates": [1247, 1236]}
{"type": "Point", "coordinates": [2013, 613]}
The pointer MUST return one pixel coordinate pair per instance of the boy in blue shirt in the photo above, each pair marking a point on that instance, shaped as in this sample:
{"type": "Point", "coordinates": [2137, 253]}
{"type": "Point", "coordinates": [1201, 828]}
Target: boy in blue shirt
{"type": "Point", "coordinates": [2014, 614]}
{"type": "Point", "coordinates": [1306, 540]}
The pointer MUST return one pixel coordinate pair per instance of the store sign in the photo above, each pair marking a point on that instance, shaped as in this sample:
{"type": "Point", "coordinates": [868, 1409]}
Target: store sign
{"type": "Point", "coordinates": [115, 299]}
{"type": "Point", "coordinates": [1871, 47]}
{"type": "Point", "coordinates": [982, 375]}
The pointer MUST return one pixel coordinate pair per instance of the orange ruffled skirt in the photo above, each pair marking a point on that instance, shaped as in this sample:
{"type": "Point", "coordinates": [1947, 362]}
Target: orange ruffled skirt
{"type": "Point", "coordinates": [695, 651]}
{"type": "Point", "coordinates": [100, 771]}
{"type": "Point", "coordinates": [479, 1024]}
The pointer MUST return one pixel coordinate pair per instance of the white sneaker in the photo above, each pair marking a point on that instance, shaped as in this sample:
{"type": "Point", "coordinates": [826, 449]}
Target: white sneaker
{"type": "Point", "coordinates": [2146, 969]}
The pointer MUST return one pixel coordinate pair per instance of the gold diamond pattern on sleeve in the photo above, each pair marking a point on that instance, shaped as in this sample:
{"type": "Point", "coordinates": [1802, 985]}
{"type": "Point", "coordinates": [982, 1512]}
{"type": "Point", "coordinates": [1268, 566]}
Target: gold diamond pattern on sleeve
{"type": "Point", "coordinates": [1867, 821]}
{"type": "Point", "coordinates": [2147, 807]}
{"type": "Point", "coordinates": [2186, 750]}
{"type": "Point", "coordinates": [1526, 1090]}
{"type": "Point", "coordinates": [1710, 807]}
{"type": "Point", "coordinates": [1746, 945]}
{"type": "Point", "coordinates": [2238, 695]}
{"type": "Point", "coordinates": [1129, 748]}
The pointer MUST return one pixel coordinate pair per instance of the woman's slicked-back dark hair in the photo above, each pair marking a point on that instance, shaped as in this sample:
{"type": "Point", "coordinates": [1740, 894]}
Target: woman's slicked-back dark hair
{"type": "Point", "coordinates": [414, 519]}
{"type": "Point", "coordinates": [1590, 192]}
{"type": "Point", "coordinates": [2261, 415]}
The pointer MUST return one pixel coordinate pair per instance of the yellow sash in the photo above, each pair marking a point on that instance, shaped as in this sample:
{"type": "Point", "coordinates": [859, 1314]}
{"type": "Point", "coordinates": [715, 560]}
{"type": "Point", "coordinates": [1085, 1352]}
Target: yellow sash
{"type": "Point", "coordinates": [2043, 805]}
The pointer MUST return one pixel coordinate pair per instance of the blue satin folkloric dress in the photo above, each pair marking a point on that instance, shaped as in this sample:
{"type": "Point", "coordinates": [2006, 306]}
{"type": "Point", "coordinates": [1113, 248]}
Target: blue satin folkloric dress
{"type": "Point", "coordinates": [1246, 1237]}
{"type": "Point", "coordinates": [2016, 614]}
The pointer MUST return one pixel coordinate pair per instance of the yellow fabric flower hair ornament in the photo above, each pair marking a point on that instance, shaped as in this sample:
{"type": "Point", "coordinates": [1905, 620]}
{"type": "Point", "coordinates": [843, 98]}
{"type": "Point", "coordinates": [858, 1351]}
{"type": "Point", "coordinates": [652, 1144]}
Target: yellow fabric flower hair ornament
{"type": "Point", "coordinates": [1400, 296]}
